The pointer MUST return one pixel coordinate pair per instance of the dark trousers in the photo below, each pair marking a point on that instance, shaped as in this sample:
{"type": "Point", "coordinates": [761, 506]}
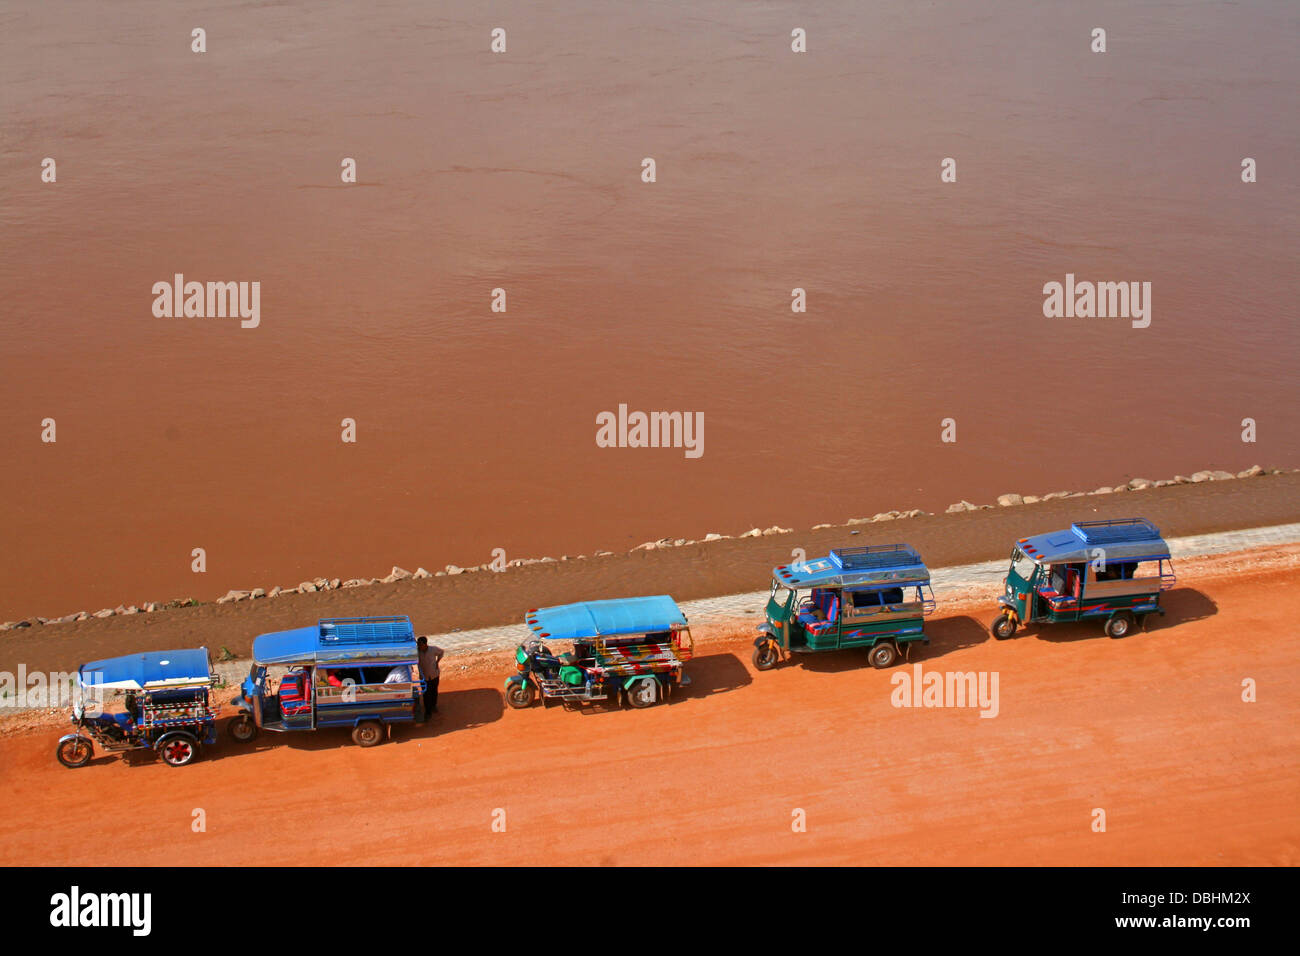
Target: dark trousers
{"type": "Point", "coordinates": [430, 695]}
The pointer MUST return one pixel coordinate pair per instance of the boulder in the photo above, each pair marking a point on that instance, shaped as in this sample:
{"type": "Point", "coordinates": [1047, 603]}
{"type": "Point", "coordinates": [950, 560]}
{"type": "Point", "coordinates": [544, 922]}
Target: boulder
{"type": "Point", "coordinates": [1251, 472]}
{"type": "Point", "coordinates": [453, 569]}
{"type": "Point", "coordinates": [711, 536]}
{"type": "Point", "coordinates": [753, 533]}
{"type": "Point", "coordinates": [1103, 490]}
{"type": "Point", "coordinates": [257, 593]}
{"type": "Point", "coordinates": [1140, 484]}
{"type": "Point", "coordinates": [1202, 476]}
{"type": "Point", "coordinates": [103, 613]}
{"type": "Point", "coordinates": [1010, 501]}
{"type": "Point", "coordinates": [962, 505]}
{"type": "Point", "coordinates": [419, 574]}
{"type": "Point", "coordinates": [231, 596]}
{"type": "Point", "coordinates": [275, 591]}
{"type": "Point", "coordinates": [646, 546]}
{"type": "Point", "coordinates": [306, 587]}
{"type": "Point", "coordinates": [819, 527]}
{"type": "Point", "coordinates": [1222, 475]}
{"type": "Point", "coordinates": [1030, 500]}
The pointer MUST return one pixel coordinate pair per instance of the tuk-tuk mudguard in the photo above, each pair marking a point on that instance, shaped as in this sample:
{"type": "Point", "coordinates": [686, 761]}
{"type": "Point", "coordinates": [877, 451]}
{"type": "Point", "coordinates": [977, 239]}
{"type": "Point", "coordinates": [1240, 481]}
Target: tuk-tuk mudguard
{"type": "Point", "coordinates": [516, 679]}
{"type": "Point", "coordinates": [629, 681]}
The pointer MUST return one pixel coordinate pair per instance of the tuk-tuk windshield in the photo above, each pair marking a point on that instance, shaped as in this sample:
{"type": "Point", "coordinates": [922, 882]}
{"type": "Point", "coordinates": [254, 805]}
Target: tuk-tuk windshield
{"type": "Point", "coordinates": [1023, 565]}
{"type": "Point", "coordinates": [780, 593]}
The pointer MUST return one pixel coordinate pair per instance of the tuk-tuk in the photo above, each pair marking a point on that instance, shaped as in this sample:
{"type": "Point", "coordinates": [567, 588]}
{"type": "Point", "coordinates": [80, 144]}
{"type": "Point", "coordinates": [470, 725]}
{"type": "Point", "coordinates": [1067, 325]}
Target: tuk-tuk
{"type": "Point", "coordinates": [630, 647]}
{"type": "Point", "coordinates": [1112, 570]}
{"type": "Point", "coordinates": [158, 701]}
{"type": "Point", "coordinates": [357, 672]}
{"type": "Point", "coordinates": [873, 597]}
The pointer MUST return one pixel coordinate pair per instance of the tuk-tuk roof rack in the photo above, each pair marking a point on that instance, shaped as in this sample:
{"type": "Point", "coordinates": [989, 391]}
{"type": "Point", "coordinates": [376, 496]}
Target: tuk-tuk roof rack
{"type": "Point", "coordinates": [1115, 529]}
{"type": "Point", "coordinates": [875, 556]}
{"type": "Point", "coordinates": [365, 630]}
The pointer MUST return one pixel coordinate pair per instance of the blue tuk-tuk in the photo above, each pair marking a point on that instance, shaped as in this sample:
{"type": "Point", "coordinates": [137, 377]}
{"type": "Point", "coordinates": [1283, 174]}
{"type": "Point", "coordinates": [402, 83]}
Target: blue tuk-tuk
{"type": "Point", "coordinates": [357, 672]}
{"type": "Point", "coordinates": [159, 701]}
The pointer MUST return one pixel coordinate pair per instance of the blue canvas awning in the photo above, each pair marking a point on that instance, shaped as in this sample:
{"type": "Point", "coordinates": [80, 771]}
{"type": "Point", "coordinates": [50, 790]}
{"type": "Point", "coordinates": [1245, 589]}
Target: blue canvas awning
{"type": "Point", "coordinates": [152, 669]}
{"type": "Point", "coordinates": [640, 615]}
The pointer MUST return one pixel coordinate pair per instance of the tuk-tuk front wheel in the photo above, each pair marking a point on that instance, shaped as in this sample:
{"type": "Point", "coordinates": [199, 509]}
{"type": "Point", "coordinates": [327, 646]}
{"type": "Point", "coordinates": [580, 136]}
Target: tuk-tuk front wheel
{"type": "Point", "coordinates": [178, 750]}
{"type": "Point", "coordinates": [74, 751]}
{"type": "Point", "coordinates": [242, 729]}
{"type": "Point", "coordinates": [883, 655]}
{"type": "Point", "coordinates": [1003, 627]}
{"type": "Point", "coordinates": [520, 694]}
{"type": "Point", "coordinates": [368, 733]}
{"type": "Point", "coordinates": [1120, 625]}
{"type": "Point", "coordinates": [765, 656]}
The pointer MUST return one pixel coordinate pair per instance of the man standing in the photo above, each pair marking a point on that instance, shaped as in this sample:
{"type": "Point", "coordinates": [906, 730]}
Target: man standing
{"type": "Point", "coordinates": [429, 655]}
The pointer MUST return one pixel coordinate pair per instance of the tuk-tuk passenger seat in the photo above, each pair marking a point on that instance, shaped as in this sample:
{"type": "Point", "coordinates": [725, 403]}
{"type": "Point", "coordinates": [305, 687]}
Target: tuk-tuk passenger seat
{"type": "Point", "coordinates": [295, 694]}
{"type": "Point", "coordinates": [822, 618]}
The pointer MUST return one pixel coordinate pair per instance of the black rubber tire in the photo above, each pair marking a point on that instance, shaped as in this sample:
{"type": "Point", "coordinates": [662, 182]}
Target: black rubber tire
{"type": "Point", "coordinates": [1003, 627]}
{"type": "Point", "coordinates": [1119, 625]}
{"type": "Point", "coordinates": [766, 656]}
{"type": "Point", "coordinates": [641, 700]}
{"type": "Point", "coordinates": [241, 729]}
{"type": "Point", "coordinates": [178, 750]}
{"type": "Point", "coordinates": [520, 695]}
{"type": "Point", "coordinates": [883, 654]}
{"type": "Point", "coordinates": [368, 733]}
{"type": "Point", "coordinates": [76, 752]}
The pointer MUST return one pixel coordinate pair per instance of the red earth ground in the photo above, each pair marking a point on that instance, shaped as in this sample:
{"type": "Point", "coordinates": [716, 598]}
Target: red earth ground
{"type": "Point", "coordinates": [1152, 729]}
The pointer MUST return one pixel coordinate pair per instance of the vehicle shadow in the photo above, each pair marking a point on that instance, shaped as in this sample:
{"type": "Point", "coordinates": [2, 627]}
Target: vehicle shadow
{"type": "Point", "coordinates": [950, 634]}
{"type": "Point", "coordinates": [714, 674]}
{"type": "Point", "coordinates": [457, 710]}
{"type": "Point", "coordinates": [1182, 605]}
{"type": "Point", "coordinates": [946, 635]}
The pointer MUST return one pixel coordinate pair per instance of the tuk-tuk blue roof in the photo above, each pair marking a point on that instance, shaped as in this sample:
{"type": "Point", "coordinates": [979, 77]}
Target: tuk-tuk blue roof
{"type": "Point", "coordinates": [890, 564]}
{"type": "Point", "coordinates": [640, 615]}
{"type": "Point", "coordinates": [1123, 539]}
{"type": "Point", "coordinates": [151, 669]}
{"type": "Point", "coordinates": [338, 639]}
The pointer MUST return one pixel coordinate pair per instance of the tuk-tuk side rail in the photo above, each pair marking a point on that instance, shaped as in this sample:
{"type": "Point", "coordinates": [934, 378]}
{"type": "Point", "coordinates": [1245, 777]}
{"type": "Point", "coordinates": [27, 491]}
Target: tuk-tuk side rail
{"type": "Point", "coordinates": [1168, 578]}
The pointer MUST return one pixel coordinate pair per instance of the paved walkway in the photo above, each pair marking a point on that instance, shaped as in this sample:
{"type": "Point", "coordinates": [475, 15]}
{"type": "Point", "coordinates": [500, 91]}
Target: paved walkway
{"type": "Point", "coordinates": [987, 575]}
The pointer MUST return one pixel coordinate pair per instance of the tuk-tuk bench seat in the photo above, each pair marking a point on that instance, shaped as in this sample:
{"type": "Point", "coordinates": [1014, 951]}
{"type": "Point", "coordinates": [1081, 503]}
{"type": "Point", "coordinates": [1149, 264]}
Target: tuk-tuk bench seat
{"type": "Point", "coordinates": [821, 617]}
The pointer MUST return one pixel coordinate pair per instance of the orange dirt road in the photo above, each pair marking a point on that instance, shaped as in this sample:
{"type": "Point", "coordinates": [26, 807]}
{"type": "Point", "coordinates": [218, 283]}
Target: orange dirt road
{"type": "Point", "coordinates": [1152, 730]}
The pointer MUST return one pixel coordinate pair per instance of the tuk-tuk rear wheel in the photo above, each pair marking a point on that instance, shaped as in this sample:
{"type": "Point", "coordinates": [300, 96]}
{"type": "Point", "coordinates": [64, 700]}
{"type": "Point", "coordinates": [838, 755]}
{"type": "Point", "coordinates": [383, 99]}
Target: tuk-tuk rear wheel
{"type": "Point", "coordinates": [883, 655]}
{"type": "Point", "coordinates": [242, 729]}
{"type": "Point", "coordinates": [644, 692]}
{"type": "Point", "coordinates": [179, 750]}
{"type": "Point", "coordinates": [1003, 627]}
{"type": "Point", "coordinates": [765, 656]}
{"type": "Point", "coordinates": [520, 694]}
{"type": "Point", "coordinates": [368, 733]}
{"type": "Point", "coordinates": [1119, 625]}
{"type": "Point", "coordinates": [76, 752]}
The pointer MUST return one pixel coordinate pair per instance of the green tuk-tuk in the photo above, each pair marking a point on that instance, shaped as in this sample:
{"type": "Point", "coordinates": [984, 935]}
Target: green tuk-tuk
{"type": "Point", "coordinates": [872, 597]}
